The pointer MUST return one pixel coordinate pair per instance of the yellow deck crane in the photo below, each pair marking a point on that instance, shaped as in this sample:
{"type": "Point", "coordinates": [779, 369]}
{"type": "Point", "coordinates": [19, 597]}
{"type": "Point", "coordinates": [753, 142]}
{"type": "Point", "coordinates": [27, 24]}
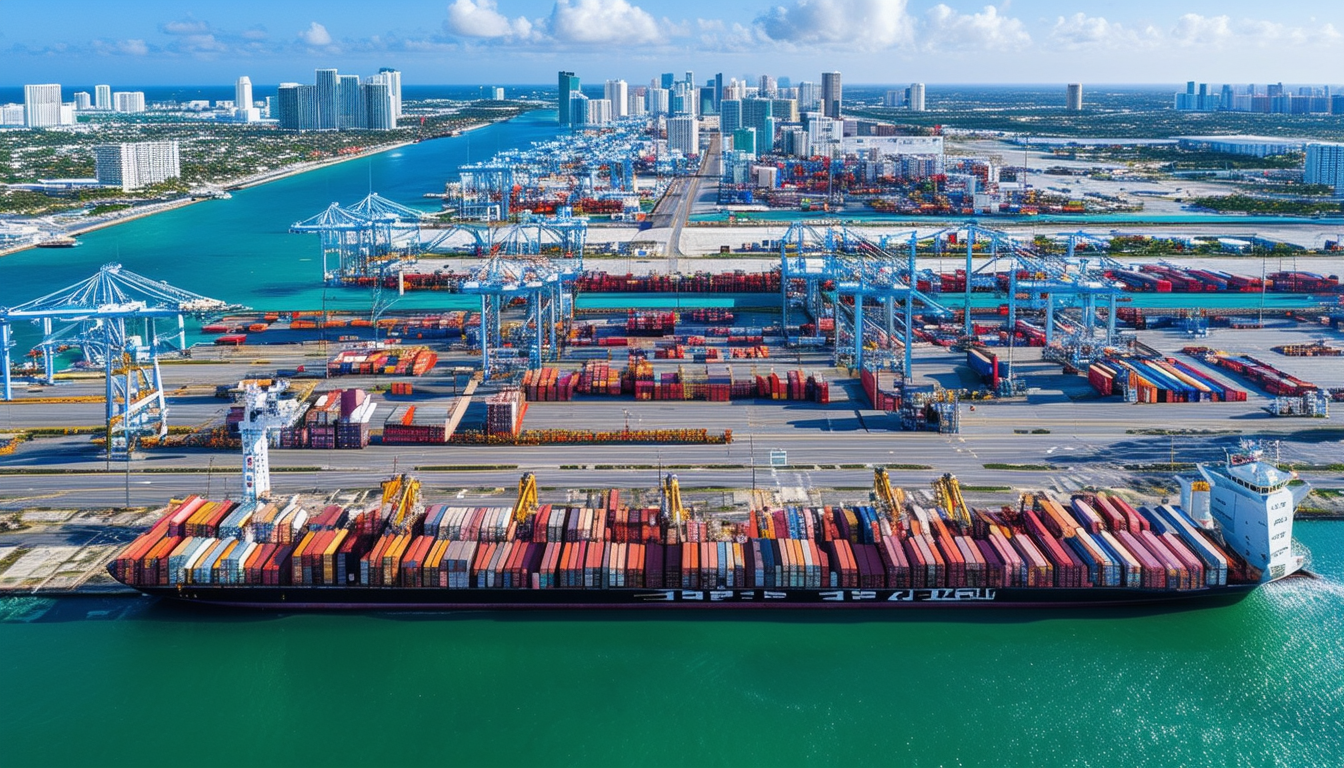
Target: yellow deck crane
{"type": "Point", "coordinates": [891, 499]}
{"type": "Point", "coordinates": [947, 491]}
{"type": "Point", "coordinates": [526, 505]}
{"type": "Point", "coordinates": [673, 511]}
{"type": "Point", "coordinates": [401, 502]}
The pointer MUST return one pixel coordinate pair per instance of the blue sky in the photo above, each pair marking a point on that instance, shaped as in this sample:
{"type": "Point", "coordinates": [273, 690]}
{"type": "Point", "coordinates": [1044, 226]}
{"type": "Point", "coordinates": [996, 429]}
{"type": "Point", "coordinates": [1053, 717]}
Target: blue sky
{"type": "Point", "coordinates": [155, 42]}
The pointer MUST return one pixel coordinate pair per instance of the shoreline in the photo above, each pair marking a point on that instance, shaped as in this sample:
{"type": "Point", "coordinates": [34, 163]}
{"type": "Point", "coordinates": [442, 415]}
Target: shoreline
{"type": "Point", "coordinates": [245, 182]}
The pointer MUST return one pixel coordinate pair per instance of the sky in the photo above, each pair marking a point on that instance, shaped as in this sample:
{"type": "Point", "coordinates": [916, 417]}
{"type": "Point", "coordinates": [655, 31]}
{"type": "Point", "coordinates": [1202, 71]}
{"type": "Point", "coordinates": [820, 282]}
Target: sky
{"type": "Point", "coordinates": [192, 42]}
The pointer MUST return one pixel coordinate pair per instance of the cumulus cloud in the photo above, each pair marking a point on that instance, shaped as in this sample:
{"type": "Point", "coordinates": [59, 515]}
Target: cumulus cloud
{"type": "Point", "coordinates": [186, 27]}
{"type": "Point", "coordinates": [987, 30]}
{"type": "Point", "coordinates": [133, 47]}
{"type": "Point", "coordinates": [254, 33]}
{"type": "Point", "coordinates": [482, 19]}
{"type": "Point", "coordinates": [1081, 31]}
{"type": "Point", "coordinates": [315, 35]}
{"type": "Point", "coordinates": [602, 21]}
{"type": "Point", "coordinates": [1194, 29]}
{"type": "Point", "coordinates": [859, 24]}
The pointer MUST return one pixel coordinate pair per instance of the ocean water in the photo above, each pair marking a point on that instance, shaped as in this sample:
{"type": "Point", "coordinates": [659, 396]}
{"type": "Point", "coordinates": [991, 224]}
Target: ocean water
{"type": "Point", "coordinates": [1258, 683]}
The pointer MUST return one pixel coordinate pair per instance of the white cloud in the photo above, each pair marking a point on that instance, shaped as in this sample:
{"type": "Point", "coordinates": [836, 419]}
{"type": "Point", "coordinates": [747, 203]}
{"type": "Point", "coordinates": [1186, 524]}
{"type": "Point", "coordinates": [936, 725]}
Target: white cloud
{"type": "Point", "coordinates": [133, 47]}
{"type": "Point", "coordinates": [856, 24]}
{"type": "Point", "coordinates": [987, 30]}
{"type": "Point", "coordinates": [1081, 31]}
{"type": "Point", "coordinates": [1194, 29]}
{"type": "Point", "coordinates": [481, 19]}
{"type": "Point", "coordinates": [603, 21]}
{"type": "Point", "coordinates": [315, 35]}
{"type": "Point", "coordinates": [186, 27]}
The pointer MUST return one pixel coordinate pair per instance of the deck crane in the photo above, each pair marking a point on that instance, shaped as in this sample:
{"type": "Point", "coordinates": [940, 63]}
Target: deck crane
{"type": "Point", "coordinates": [947, 492]}
{"type": "Point", "coordinates": [401, 502]}
{"type": "Point", "coordinates": [264, 412]}
{"type": "Point", "coordinates": [526, 505]}
{"type": "Point", "coordinates": [891, 499]}
{"type": "Point", "coordinates": [673, 511]}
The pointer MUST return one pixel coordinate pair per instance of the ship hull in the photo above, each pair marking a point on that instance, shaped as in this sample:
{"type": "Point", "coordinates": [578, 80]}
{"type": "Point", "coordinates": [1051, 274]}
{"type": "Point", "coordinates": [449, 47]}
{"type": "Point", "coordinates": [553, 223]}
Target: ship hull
{"type": "Point", "coordinates": [306, 598]}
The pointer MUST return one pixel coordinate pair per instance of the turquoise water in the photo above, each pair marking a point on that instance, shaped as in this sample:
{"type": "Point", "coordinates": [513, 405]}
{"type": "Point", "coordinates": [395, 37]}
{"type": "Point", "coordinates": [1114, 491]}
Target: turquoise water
{"type": "Point", "coordinates": [1259, 683]}
{"type": "Point", "coordinates": [241, 250]}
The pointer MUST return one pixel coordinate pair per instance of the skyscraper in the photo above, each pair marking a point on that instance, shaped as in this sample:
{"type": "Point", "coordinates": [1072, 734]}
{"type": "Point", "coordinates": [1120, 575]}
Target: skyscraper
{"type": "Point", "coordinates": [659, 101]}
{"type": "Point", "coordinates": [578, 108]}
{"type": "Point", "coordinates": [352, 113]}
{"type": "Point", "coordinates": [242, 93]}
{"type": "Point", "coordinates": [134, 165]}
{"type": "Point", "coordinates": [830, 94]}
{"type": "Point", "coordinates": [730, 116]}
{"type": "Point", "coordinates": [102, 97]}
{"type": "Point", "coordinates": [42, 105]}
{"type": "Point", "coordinates": [916, 97]}
{"type": "Point", "coordinates": [718, 91]}
{"type": "Point", "coordinates": [569, 85]}
{"type": "Point", "coordinates": [615, 92]}
{"type": "Point", "coordinates": [393, 79]}
{"type": "Point", "coordinates": [1074, 95]}
{"type": "Point", "coordinates": [327, 110]}
{"type": "Point", "coordinates": [759, 114]}
{"type": "Point", "coordinates": [287, 106]}
{"type": "Point", "coordinates": [683, 134]}
{"type": "Point", "coordinates": [1325, 165]}
{"type": "Point", "coordinates": [83, 100]}
{"type": "Point", "coordinates": [666, 81]}
{"type": "Point", "coordinates": [377, 102]}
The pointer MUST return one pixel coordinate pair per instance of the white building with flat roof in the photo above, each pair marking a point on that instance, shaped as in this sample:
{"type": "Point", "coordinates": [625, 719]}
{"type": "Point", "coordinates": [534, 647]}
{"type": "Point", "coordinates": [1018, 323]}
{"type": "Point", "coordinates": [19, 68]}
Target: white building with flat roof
{"type": "Point", "coordinates": [128, 101]}
{"type": "Point", "coordinates": [42, 105]}
{"type": "Point", "coordinates": [102, 97]}
{"type": "Point", "coordinates": [139, 164]}
{"type": "Point", "coordinates": [1325, 165]}
{"type": "Point", "coordinates": [1256, 146]}
{"type": "Point", "coordinates": [683, 135]}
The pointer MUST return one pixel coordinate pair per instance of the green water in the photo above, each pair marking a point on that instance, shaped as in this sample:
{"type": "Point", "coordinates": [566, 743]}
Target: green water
{"type": "Point", "coordinates": [1258, 683]}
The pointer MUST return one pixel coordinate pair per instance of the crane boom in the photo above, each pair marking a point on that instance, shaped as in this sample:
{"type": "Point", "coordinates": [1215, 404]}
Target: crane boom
{"type": "Point", "coordinates": [892, 499]}
{"type": "Point", "coordinates": [526, 504]}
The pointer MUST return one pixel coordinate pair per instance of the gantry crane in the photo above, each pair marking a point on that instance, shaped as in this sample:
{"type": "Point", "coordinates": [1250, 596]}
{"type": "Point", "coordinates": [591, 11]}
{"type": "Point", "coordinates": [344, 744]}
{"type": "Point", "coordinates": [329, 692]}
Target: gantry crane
{"type": "Point", "coordinates": [264, 413]}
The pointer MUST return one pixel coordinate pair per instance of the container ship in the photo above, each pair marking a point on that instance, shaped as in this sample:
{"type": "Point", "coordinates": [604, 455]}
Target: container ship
{"type": "Point", "coordinates": [1231, 533]}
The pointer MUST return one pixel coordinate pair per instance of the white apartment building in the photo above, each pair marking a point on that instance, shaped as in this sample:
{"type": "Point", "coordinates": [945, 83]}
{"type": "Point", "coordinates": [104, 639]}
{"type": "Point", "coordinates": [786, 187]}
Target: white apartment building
{"type": "Point", "coordinates": [134, 165]}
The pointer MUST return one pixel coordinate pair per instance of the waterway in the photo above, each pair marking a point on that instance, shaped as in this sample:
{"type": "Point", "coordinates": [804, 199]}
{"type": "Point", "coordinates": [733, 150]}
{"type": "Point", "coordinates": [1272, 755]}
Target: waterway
{"type": "Point", "coordinates": [130, 683]}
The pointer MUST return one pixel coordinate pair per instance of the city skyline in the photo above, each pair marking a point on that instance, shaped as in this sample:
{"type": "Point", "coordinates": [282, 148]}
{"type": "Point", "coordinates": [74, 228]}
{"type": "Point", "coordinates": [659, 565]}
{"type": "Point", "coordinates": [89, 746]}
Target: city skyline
{"type": "Point", "coordinates": [526, 41]}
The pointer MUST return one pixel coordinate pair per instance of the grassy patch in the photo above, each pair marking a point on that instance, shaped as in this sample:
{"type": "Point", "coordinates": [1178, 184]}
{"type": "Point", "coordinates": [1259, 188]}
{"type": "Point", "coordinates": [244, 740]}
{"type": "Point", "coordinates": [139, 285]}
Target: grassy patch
{"type": "Point", "coordinates": [1174, 432]}
{"type": "Point", "coordinates": [13, 557]}
{"type": "Point", "coordinates": [1329, 493]}
{"type": "Point", "coordinates": [1161, 466]}
{"type": "Point", "coordinates": [986, 488]}
{"type": "Point", "coordinates": [1314, 467]}
{"type": "Point", "coordinates": [1022, 467]}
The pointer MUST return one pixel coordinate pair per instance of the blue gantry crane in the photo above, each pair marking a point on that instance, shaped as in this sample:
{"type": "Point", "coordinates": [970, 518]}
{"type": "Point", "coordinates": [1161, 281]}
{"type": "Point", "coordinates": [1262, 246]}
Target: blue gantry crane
{"type": "Point", "coordinates": [112, 317]}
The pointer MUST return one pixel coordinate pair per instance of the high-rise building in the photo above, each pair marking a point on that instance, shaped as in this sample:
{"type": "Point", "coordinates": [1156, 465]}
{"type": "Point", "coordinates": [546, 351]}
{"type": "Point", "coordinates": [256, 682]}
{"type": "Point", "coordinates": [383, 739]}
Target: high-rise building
{"type": "Point", "coordinates": [1325, 165]}
{"type": "Point", "coordinates": [616, 92]}
{"type": "Point", "coordinates": [128, 101]}
{"type": "Point", "coordinates": [636, 102]}
{"type": "Point", "coordinates": [83, 100]}
{"type": "Point", "coordinates": [768, 87]}
{"type": "Point", "coordinates": [830, 94]}
{"type": "Point", "coordinates": [916, 99]}
{"type": "Point", "coordinates": [706, 106]}
{"type": "Point", "coordinates": [379, 112]}
{"type": "Point", "coordinates": [393, 79]}
{"type": "Point", "coordinates": [659, 101]}
{"type": "Point", "coordinates": [328, 111]}
{"type": "Point", "coordinates": [744, 140]}
{"type": "Point", "coordinates": [784, 110]}
{"type": "Point", "coordinates": [893, 98]}
{"type": "Point", "coordinates": [666, 81]}
{"type": "Point", "coordinates": [497, 93]}
{"type": "Point", "coordinates": [242, 93]}
{"type": "Point", "coordinates": [287, 106]}
{"type": "Point", "coordinates": [809, 97]}
{"type": "Point", "coordinates": [102, 97]}
{"type": "Point", "coordinates": [599, 112]}
{"type": "Point", "coordinates": [683, 135]}
{"type": "Point", "coordinates": [1074, 95]}
{"type": "Point", "coordinates": [351, 112]}
{"type": "Point", "coordinates": [42, 105]}
{"type": "Point", "coordinates": [759, 114]}
{"type": "Point", "coordinates": [578, 108]}
{"type": "Point", "coordinates": [135, 165]}
{"type": "Point", "coordinates": [718, 91]}
{"type": "Point", "coordinates": [569, 85]}
{"type": "Point", "coordinates": [730, 116]}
